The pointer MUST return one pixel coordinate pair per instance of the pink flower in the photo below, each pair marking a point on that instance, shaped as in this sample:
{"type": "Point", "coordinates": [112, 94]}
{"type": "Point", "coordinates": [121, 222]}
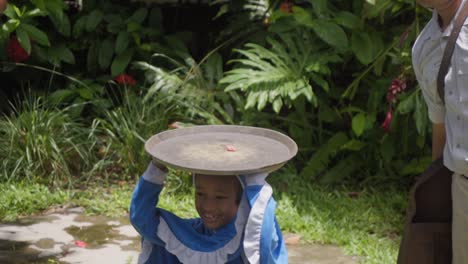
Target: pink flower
{"type": "Point", "coordinates": [397, 86]}
{"type": "Point", "coordinates": [80, 244]}
{"type": "Point", "coordinates": [15, 52]}
{"type": "Point", "coordinates": [125, 79]}
{"type": "Point", "coordinates": [388, 121]}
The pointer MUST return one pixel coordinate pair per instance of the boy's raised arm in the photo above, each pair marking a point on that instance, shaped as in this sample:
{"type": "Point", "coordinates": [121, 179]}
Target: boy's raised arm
{"type": "Point", "coordinates": [143, 212]}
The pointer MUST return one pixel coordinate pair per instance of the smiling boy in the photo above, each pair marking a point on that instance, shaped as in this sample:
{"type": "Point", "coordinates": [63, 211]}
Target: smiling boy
{"type": "Point", "coordinates": [236, 224]}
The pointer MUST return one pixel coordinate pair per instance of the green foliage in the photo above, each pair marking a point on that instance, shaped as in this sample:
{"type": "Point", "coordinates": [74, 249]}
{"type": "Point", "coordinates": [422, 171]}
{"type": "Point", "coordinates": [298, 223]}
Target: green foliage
{"type": "Point", "coordinates": [99, 41]}
{"type": "Point", "coordinates": [42, 143]}
{"type": "Point", "coordinates": [319, 73]}
{"type": "Point", "coordinates": [191, 85]}
{"type": "Point", "coordinates": [340, 47]}
{"type": "Point", "coordinates": [24, 22]}
{"type": "Point", "coordinates": [24, 199]}
{"type": "Point", "coordinates": [127, 127]}
{"type": "Point", "coordinates": [281, 73]}
{"type": "Point", "coordinates": [83, 95]}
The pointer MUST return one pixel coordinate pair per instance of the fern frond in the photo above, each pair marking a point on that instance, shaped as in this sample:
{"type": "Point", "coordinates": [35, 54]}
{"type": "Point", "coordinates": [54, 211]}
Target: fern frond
{"type": "Point", "coordinates": [322, 158]}
{"type": "Point", "coordinates": [278, 74]}
{"type": "Point", "coordinates": [343, 169]}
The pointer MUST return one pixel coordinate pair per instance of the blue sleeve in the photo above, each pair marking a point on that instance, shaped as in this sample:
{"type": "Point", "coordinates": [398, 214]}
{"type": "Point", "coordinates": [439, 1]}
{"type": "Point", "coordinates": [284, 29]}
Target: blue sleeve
{"type": "Point", "coordinates": [144, 215]}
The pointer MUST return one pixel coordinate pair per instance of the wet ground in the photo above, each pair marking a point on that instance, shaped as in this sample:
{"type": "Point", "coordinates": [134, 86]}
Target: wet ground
{"type": "Point", "coordinates": [70, 237]}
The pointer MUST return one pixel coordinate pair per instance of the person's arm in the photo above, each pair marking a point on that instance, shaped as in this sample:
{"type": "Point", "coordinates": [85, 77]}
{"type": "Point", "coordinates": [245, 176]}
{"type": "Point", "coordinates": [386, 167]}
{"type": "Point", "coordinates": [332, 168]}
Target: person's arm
{"type": "Point", "coordinates": [438, 140]}
{"type": "Point", "coordinates": [144, 215]}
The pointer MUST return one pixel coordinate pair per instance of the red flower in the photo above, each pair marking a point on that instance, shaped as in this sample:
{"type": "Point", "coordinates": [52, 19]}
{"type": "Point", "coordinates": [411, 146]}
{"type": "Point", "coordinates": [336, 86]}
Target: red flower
{"type": "Point", "coordinates": [388, 121]}
{"type": "Point", "coordinates": [286, 6]}
{"type": "Point", "coordinates": [15, 52]}
{"type": "Point", "coordinates": [125, 79]}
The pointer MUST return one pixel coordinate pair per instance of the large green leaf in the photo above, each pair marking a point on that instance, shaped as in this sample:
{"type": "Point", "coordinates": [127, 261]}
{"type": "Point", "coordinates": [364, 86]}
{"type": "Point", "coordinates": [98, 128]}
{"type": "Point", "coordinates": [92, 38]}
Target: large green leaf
{"type": "Point", "coordinates": [23, 39]}
{"type": "Point", "coordinates": [11, 11]}
{"type": "Point", "coordinates": [61, 22]}
{"type": "Point", "coordinates": [66, 55]}
{"type": "Point", "coordinates": [36, 34]}
{"type": "Point", "coordinates": [331, 33]}
{"type": "Point", "coordinates": [139, 16]}
{"type": "Point", "coordinates": [10, 26]}
{"type": "Point", "coordinates": [106, 51]}
{"type": "Point", "coordinates": [366, 46]}
{"type": "Point", "coordinates": [79, 26]}
{"type": "Point", "coordinates": [121, 62]}
{"type": "Point", "coordinates": [407, 105]}
{"type": "Point", "coordinates": [363, 47]}
{"type": "Point", "coordinates": [359, 123]}
{"type": "Point", "coordinates": [92, 58]}
{"type": "Point", "coordinates": [93, 20]}
{"type": "Point", "coordinates": [122, 42]}
{"type": "Point", "coordinates": [348, 20]}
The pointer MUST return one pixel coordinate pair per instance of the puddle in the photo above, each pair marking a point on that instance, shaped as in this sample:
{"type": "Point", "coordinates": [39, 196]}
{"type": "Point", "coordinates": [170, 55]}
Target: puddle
{"type": "Point", "coordinates": [94, 236]}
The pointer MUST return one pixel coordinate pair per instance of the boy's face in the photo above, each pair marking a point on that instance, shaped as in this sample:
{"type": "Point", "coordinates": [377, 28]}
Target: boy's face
{"type": "Point", "coordinates": [216, 199]}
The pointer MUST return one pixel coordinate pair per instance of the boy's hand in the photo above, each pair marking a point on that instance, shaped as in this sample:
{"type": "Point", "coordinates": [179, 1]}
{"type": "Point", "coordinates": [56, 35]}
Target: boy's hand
{"type": "Point", "coordinates": [159, 165]}
{"type": "Point", "coordinates": [155, 173]}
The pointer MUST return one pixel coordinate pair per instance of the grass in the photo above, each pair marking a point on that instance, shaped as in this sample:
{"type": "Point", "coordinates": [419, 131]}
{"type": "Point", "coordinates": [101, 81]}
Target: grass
{"type": "Point", "coordinates": [366, 223]}
{"type": "Point", "coordinates": [39, 142]}
{"type": "Point", "coordinates": [25, 199]}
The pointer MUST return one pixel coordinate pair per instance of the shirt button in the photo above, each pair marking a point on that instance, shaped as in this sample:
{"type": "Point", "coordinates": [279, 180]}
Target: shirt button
{"type": "Point", "coordinates": [450, 92]}
{"type": "Point", "coordinates": [458, 145]}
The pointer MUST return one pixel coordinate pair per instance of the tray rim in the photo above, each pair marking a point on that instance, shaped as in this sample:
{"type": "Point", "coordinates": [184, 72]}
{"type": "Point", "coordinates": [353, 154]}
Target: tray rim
{"type": "Point", "coordinates": [259, 131]}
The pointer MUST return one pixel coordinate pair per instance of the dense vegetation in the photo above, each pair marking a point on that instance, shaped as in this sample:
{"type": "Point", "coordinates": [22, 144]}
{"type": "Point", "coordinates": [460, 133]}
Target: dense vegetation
{"type": "Point", "coordinates": [95, 80]}
{"type": "Point", "coordinates": [85, 83]}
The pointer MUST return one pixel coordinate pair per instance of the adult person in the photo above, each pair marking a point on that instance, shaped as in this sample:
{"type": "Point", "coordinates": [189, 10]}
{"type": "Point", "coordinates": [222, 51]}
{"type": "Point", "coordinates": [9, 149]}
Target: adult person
{"type": "Point", "coordinates": [450, 119]}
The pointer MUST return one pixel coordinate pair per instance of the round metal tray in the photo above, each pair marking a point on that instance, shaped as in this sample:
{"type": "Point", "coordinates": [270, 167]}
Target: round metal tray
{"type": "Point", "coordinates": [222, 149]}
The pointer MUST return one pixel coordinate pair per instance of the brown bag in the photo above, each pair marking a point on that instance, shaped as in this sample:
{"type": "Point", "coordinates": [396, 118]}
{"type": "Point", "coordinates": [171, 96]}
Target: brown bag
{"type": "Point", "coordinates": [427, 235]}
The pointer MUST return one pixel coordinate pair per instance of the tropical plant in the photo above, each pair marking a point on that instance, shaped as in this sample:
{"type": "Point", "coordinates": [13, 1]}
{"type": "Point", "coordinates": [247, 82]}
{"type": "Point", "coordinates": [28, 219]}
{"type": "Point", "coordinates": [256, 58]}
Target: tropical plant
{"type": "Point", "coordinates": [191, 85]}
{"type": "Point", "coordinates": [23, 22]}
{"type": "Point", "coordinates": [326, 44]}
{"type": "Point", "coordinates": [282, 72]}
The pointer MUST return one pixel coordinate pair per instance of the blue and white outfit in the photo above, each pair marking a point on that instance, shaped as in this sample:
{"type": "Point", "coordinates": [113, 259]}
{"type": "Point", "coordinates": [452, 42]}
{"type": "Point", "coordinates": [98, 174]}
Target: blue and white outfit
{"type": "Point", "coordinates": [253, 236]}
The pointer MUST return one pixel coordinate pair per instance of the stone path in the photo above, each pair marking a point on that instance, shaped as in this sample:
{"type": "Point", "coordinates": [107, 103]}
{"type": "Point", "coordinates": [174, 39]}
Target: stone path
{"type": "Point", "coordinates": [70, 237]}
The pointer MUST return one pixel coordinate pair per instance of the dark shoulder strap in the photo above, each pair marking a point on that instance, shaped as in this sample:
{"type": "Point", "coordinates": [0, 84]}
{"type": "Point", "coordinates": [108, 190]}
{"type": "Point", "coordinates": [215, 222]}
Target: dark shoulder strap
{"type": "Point", "coordinates": [444, 65]}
